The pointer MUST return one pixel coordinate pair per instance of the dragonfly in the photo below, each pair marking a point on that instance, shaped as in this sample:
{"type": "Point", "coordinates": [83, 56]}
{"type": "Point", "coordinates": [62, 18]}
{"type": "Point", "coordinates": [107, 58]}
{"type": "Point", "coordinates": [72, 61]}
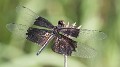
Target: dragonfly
{"type": "Point", "coordinates": [61, 34]}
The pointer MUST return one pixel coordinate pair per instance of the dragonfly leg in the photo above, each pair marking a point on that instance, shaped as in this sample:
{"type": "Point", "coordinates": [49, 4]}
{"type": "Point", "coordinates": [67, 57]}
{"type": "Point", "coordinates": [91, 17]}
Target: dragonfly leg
{"type": "Point", "coordinates": [45, 44]}
{"type": "Point", "coordinates": [40, 50]}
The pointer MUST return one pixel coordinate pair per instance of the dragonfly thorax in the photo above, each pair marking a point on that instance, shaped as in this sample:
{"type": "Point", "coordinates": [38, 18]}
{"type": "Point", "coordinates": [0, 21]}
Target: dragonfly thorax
{"type": "Point", "coordinates": [56, 30]}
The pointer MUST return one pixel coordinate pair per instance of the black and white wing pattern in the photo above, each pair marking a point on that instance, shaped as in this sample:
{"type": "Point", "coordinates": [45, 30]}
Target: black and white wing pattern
{"type": "Point", "coordinates": [64, 45]}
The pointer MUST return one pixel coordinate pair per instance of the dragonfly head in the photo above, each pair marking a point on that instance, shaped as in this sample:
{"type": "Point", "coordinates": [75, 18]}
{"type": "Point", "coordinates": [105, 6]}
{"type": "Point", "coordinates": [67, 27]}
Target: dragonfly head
{"type": "Point", "coordinates": [61, 23]}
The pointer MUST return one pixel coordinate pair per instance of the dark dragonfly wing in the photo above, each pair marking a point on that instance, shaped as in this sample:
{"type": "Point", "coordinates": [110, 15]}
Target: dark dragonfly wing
{"type": "Point", "coordinates": [18, 29]}
{"type": "Point", "coordinates": [64, 45]}
{"type": "Point", "coordinates": [39, 36]}
{"type": "Point", "coordinates": [40, 21]}
{"type": "Point", "coordinates": [33, 18]}
{"type": "Point", "coordinates": [74, 32]}
{"type": "Point", "coordinates": [35, 35]}
{"type": "Point", "coordinates": [84, 33]}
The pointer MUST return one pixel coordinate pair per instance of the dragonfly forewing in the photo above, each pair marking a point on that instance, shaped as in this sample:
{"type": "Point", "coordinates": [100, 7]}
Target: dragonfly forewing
{"type": "Point", "coordinates": [27, 11]}
{"type": "Point", "coordinates": [32, 17]}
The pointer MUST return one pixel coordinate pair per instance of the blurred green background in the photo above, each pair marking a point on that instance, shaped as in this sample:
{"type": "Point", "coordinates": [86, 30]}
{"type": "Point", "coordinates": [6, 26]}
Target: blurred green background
{"type": "Point", "coordinates": [102, 15]}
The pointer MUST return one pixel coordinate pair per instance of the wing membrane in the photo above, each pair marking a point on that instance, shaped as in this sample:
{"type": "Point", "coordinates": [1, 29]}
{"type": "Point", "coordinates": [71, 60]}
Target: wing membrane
{"type": "Point", "coordinates": [43, 23]}
{"type": "Point", "coordinates": [84, 51]}
{"type": "Point", "coordinates": [33, 18]}
{"type": "Point", "coordinates": [18, 29]}
{"type": "Point", "coordinates": [70, 31]}
{"type": "Point", "coordinates": [39, 36]}
{"type": "Point", "coordinates": [26, 14]}
{"type": "Point", "coordinates": [64, 45]}
{"type": "Point", "coordinates": [86, 34]}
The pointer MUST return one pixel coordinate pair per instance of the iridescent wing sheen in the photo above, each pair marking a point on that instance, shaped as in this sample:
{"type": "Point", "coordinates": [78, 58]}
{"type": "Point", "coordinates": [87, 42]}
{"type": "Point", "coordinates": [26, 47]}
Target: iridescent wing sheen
{"type": "Point", "coordinates": [18, 29]}
{"type": "Point", "coordinates": [86, 34]}
{"type": "Point", "coordinates": [70, 31]}
{"type": "Point", "coordinates": [33, 18]}
{"type": "Point", "coordinates": [84, 51]}
{"type": "Point", "coordinates": [64, 45]}
{"type": "Point", "coordinates": [39, 36]}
